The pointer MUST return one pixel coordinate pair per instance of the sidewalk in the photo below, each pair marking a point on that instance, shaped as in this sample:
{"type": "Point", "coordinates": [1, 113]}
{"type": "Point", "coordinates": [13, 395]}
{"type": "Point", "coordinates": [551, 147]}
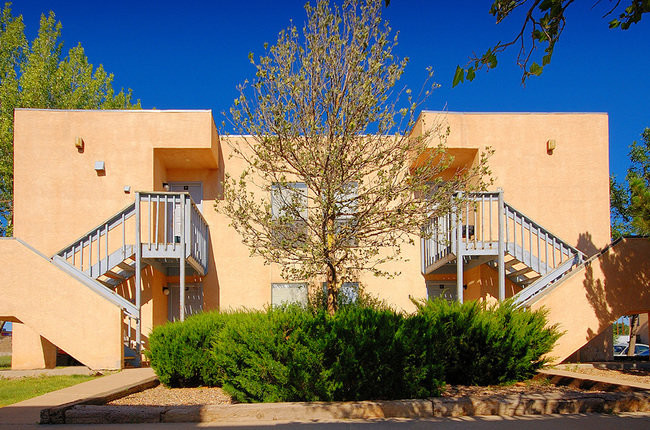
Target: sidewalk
{"type": "Point", "coordinates": [29, 411]}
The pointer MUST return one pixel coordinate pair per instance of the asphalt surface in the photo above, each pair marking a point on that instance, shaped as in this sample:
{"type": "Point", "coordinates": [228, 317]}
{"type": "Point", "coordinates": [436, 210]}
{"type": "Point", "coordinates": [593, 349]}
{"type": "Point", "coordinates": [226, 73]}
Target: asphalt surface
{"type": "Point", "coordinates": [627, 421]}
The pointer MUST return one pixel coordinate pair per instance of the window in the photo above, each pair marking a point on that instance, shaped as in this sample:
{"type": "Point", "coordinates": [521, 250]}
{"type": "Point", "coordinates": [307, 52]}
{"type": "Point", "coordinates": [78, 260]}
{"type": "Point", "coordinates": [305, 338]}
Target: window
{"type": "Point", "coordinates": [288, 293]}
{"type": "Point", "coordinates": [349, 292]}
{"type": "Point", "coordinates": [347, 206]}
{"type": "Point", "coordinates": [289, 210]}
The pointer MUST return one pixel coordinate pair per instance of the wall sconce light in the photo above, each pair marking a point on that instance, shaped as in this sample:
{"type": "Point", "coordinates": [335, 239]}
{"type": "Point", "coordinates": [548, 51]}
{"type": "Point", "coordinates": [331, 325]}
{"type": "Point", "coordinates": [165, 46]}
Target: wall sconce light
{"type": "Point", "coordinates": [79, 143]}
{"type": "Point", "coordinates": [165, 186]}
{"type": "Point", "coordinates": [550, 146]}
{"type": "Point", "coordinates": [127, 189]}
{"type": "Point", "coordinates": [100, 168]}
{"type": "Point", "coordinates": [166, 291]}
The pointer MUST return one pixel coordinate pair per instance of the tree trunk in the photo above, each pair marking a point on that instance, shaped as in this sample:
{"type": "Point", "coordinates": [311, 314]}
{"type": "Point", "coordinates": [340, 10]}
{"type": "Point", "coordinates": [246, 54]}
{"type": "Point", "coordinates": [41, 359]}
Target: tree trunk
{"type": "Point", "coordinates": [634, 329]}
{"type": "Point", "coordinates": [332, 291]}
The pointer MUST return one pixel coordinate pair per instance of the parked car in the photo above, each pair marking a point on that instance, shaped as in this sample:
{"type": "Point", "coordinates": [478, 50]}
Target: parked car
{"type": "Point", "coordinates": [618, 349]}
{"type": "Point", "coordinates": [640, 350]}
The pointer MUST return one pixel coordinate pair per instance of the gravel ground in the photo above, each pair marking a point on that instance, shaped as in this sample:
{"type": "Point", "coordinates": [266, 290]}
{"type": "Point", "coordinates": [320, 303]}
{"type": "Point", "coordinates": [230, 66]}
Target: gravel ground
{"type": "Point", "coordinates": [534, 386]}
{"type": "Point", "coordinates": [163, 396]}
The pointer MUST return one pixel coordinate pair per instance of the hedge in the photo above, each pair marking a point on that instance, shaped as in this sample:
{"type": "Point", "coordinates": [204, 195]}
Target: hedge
{"type": "Point", "coordinates": [365, 351]}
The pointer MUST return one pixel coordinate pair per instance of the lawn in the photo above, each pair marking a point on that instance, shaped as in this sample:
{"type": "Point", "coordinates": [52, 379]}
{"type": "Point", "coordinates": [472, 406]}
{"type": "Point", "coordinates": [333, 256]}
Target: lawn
{"type": "Point", "coordinates": [16, 390]}
{"type": "Point", "coordinates": [5, 361]}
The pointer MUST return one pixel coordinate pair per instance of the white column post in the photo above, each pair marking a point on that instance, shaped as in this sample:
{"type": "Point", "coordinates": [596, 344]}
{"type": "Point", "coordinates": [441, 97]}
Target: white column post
{"type": "Point", "coordinates": [501, 248]}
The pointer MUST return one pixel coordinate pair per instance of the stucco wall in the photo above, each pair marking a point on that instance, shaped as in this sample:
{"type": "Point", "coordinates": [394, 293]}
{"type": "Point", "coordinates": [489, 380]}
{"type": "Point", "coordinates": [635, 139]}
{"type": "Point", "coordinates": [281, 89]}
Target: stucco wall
{"type": "Point", "coordinates": [59, 308]}
{"type": "Point", "coordinates": [588, 301]}
{"type": "Point", "coordinates": [566, 190]}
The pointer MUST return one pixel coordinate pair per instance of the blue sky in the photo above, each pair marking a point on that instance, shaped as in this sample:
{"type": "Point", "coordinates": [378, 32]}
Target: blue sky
{"type": "Point", "coordinates": [192, 54]}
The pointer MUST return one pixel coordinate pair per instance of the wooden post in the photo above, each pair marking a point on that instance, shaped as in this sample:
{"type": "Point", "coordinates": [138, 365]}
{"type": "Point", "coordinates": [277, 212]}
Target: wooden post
{"type": "Point", "coordinates": [501, 248]}
{"type": "Point", "coordinates": [181, 287]}
{"type": "Point", "coordinates": [138, 281]}
{"type": "Point", "coordinates": [459, 250]}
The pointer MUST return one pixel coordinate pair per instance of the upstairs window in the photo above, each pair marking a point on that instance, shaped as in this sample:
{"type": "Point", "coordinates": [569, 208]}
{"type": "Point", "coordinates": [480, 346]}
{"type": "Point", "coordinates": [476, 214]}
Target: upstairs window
{"type": "Point", "coordinates": [347, 208]}
{"type": "Point", "coordinates": [289, 211]}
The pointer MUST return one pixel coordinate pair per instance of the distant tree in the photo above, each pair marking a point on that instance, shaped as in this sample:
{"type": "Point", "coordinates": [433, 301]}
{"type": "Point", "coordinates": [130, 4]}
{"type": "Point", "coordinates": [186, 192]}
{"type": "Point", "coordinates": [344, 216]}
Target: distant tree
{"type": "Point", "coordinates": [33, 75]}
{"type": "Point", "coordinates": [330, 188]}
{"type": "Point", "coordinates": [630, 201]}
{"type": "Point", "coordinates": [543, 23]}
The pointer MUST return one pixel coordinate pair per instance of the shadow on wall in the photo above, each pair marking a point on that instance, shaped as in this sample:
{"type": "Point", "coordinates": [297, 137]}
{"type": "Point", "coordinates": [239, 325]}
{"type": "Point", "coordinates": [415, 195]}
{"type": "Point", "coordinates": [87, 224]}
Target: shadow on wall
{"type": "Point", "coordinates": [617, 282]}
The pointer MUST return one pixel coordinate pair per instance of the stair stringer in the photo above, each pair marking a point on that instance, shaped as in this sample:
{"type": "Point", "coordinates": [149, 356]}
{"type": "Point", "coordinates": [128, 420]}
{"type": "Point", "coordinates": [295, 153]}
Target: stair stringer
{"type": "Point", "coordinates": [586, 301]}
{"type": "Point", "coordinates": [59, 307]}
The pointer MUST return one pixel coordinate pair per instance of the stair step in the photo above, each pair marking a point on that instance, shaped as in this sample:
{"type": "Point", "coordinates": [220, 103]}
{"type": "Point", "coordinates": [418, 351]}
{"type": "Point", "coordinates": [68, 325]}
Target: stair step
{"type": "Point", "coordinates": [126, 266]}
{"type": "Point", "coordinates": [113, 275]}
{"type": "Point", "coordinates": [106, 284]}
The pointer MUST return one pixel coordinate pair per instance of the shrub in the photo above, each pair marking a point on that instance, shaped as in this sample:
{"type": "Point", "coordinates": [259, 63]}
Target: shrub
{"type": "Point", "coordinates": [272, 356]}
{"type": "Point", "coordinates": [363, 357]}
{"type": "Point", "coordinates": [180, 352]}
{"type": "Point", "coordinates": [366, 351]}
{"type": "Point", "coordinates": [478, 344]}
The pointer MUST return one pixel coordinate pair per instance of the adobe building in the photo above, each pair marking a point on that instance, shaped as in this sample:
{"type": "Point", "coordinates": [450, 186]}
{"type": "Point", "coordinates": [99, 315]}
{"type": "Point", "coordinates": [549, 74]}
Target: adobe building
{"type": "Point", "coordinates": [115, 231]}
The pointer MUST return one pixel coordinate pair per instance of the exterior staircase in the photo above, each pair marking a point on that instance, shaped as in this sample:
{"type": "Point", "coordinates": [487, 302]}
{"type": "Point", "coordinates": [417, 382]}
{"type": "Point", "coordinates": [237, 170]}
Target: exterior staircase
{"type": "Point", "coordinates": [159, 228]}
{"type": "Point", "coordinates": [583, 297]}
{"type": "Point", "coordinates": [484, 229]}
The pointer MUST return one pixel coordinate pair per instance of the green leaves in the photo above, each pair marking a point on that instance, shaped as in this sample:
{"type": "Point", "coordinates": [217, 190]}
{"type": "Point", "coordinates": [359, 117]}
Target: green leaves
{"type": "Point", "coordinates": [630, 201]}
{"type": "Point", "coordinates": [536, 69]}
{"type": "Point", "coordinates": [34, 75]}
{"type": "Point", "coordinates": [543, 24]}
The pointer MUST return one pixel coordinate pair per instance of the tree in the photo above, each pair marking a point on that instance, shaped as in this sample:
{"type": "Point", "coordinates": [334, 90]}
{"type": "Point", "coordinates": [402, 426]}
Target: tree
{"type": "Point", "coordinates": [33, 75]}
{"type": "Point", "coordinates": [630, 202]}
{"type": "Point", "coordinates": [544, 21]}
{"type": "Point", "coordinates": [329, 145]}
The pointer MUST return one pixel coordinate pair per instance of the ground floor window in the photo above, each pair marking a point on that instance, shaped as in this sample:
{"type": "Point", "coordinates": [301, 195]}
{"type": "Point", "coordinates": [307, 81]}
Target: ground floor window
{"type": "Point", "coordinates": [289, 293]}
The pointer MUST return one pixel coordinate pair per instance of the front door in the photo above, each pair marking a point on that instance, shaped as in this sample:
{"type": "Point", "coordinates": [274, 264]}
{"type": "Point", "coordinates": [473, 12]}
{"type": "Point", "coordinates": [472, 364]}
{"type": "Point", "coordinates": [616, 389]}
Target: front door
{"type": "Point", "coordinates": [193, 300]}
{"type": "Point", "coordinates": [195, 189]}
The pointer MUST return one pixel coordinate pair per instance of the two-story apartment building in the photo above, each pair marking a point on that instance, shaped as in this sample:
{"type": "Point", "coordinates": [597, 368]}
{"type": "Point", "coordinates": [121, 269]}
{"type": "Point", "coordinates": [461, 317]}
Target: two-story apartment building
{"type": "Point", "coordinates": [115, 228]}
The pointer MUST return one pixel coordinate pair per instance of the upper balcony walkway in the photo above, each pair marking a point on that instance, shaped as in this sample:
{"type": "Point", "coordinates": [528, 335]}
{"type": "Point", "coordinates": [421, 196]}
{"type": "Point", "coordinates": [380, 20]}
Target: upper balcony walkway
{"type": "Point", "coordinates": [484, 229]}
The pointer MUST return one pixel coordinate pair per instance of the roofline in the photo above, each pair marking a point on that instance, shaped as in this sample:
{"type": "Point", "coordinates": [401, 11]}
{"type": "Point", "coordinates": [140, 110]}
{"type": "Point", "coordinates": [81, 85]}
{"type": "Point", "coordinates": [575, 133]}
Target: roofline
{"type": "Point", "coordinates": [118, 110]}
{"type": "Point", "coordinates": [512, 113]}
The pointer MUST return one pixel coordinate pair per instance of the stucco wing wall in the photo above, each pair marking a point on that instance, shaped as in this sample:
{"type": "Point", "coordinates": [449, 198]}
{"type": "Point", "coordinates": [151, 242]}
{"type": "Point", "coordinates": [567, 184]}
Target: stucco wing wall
{"type": "Point", "coordinates": [588, 301]}
{"type": "Point", "coordinates": [59, 308]}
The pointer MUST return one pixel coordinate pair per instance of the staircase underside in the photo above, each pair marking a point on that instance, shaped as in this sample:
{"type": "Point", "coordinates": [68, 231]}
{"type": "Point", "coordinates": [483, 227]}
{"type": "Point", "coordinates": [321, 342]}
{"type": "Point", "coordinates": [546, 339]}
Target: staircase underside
{"type": "Point", "coordinates": [591, 297]}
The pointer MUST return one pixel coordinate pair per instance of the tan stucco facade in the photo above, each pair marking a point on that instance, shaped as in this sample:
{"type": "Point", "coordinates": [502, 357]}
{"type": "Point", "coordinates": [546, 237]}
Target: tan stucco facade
{"type": "Point", "coordinates": [59, 196]}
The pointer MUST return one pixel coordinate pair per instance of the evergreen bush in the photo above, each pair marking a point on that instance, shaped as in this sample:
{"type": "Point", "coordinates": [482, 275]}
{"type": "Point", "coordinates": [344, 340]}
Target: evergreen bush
{"type": "Point", "coordinates": [180, 352]}
{"type": "Point", "coordinates": [365, 351]}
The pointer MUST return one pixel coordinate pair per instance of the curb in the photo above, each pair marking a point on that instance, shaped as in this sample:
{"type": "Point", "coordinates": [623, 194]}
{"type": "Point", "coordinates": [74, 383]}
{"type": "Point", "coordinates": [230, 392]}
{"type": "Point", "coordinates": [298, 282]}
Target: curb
{"type": "Point", "coordinates": [57, 414]}
{"type": "Point", "coordinates": [432, 408]}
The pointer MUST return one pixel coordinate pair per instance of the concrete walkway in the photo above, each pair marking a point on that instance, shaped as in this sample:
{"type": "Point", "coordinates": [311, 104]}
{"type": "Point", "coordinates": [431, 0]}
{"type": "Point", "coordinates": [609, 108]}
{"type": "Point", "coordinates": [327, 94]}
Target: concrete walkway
{"type": "Point", "coordinates": [586, 381]}
{"type": "Point", "coordinates": [29, 411]}
{"type": "Point", "coordinates": [70, 370]}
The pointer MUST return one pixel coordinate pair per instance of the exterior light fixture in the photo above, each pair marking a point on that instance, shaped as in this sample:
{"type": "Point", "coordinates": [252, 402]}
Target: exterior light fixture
{"type": "Point", "coordinates": [100, 168]}
{"type": "Point", "coordinates": [166, 291]}
{"type": "Point", "coordinates": [79, 143]}
{"type": "Point", "coordinates": [127, 189]}
{"type": "Point", "coordinates": [550, 146]}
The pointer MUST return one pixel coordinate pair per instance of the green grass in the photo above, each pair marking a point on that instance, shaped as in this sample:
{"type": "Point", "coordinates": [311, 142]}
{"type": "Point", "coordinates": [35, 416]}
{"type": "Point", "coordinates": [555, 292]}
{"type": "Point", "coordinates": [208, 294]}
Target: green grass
{"type": "Point", "coordinates": [17, 390]}
{"type": "Point", "coordinates": [5, 361]}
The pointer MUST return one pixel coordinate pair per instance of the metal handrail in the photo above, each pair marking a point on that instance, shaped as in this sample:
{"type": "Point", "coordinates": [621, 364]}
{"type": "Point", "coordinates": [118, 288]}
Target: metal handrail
{"type": "Point", "coordinates": [481, 231]}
